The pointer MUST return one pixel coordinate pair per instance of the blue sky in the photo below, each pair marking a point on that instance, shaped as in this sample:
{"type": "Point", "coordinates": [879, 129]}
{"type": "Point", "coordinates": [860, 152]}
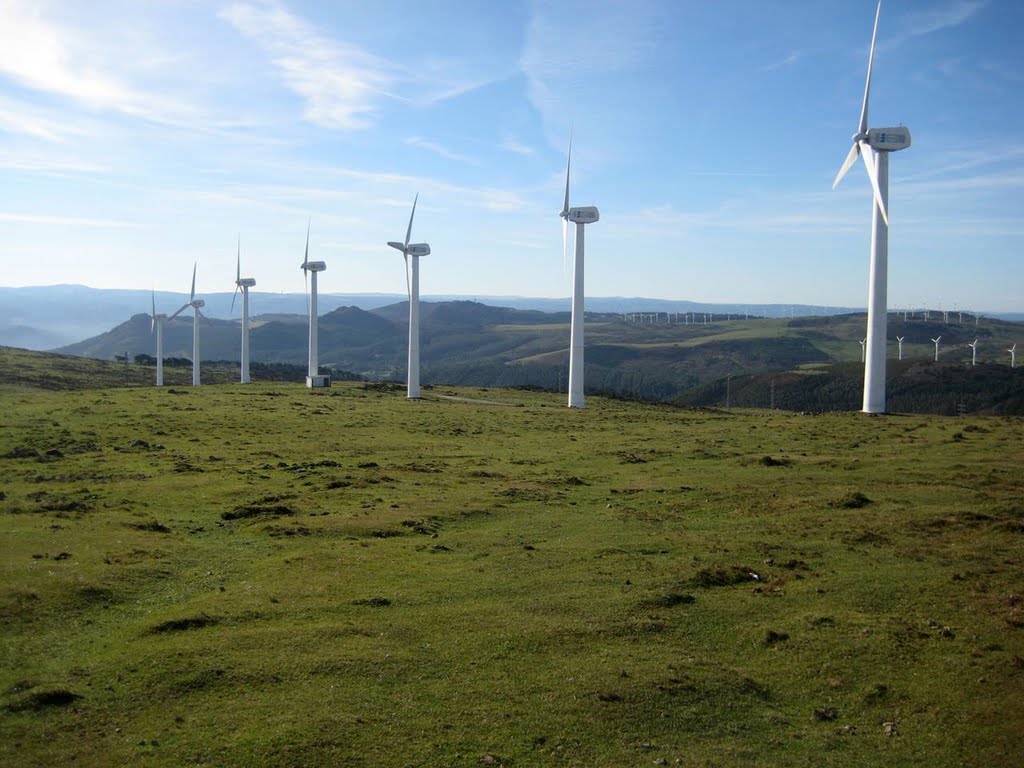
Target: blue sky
{"type": "Point", "coordinates": [137, 137]}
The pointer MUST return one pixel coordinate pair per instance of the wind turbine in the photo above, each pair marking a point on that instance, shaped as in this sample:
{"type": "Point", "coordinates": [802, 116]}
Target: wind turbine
{"type": "Point", "coordinates": [196, 304]}
{"type": "Point", "coordinates": [582, 217]}
{"type": "Point", "coordinates": [157, 324]}
{"type": "Point", "coordinates": [937, 348]}
{"type": "Point", "coordinates": [974, 352]}
{"type": "Point", "coordinates": [1013, 355]}
{"type": "Point", "coordinates": [899, 341]}
{"type": "Point", "coordinates": [313, 377]}
{"type": "Point", "coordinates": [873, 146]}
{"type": "Point", "coordinates": [243, 284]}
{"type": "Point", "coordinates": [862, 343]}
{"type": "Point", "coordinates": [412, 288]}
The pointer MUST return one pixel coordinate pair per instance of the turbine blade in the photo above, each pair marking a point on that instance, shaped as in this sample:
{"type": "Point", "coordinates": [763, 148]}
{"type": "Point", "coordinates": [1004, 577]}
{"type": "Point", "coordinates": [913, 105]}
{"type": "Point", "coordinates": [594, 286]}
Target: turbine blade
{"type": "Point", "coordinates": [568, 163]}
{"type": "Point", "coordinates": [152, 322]}
{"type": "Point", "coordinates": [238, 261]}
{"type": "Point", "coordinates": [233, 297]}
{"type": "Point", "coordinates": [408, 283]}
{"type": "Point", "coordinates": [851, 158]}
{"type": "Point", "coordinates": [183, 308]}
{"type": "Point", "coordinates": [869, 163]}
{"type": "Point", "coordinates": [192, 295]}
{"type": "Point", "coordinates": [408, 232]}
{"type": "Point", "coordinates": [863, 125]}
{"type": "Point", "coordinates": [305, 259]}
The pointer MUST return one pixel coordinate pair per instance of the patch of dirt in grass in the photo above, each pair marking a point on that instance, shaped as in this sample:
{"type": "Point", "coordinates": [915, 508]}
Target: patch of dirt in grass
{"type": "Point", "coordinates": [257, 510]}
{"type": "Point", "coordinates": [373, 602]}
{"type": "Point", "coordinates": [153, 526]}
{"type": "Point", "coordinates": [708, 578]}
{"type": "Point", "coordinates": [669, 600]}
{"type": "Point", "coordinates": [769, 461]}
{"type": "Point", "coordinates": [426, 526]}
{"type": "Point", "coordinates": [44, 698]}
{"type": "Point", "coordinates": [852, 500]}
{"type": "Point", "coordinates": [184, 624]}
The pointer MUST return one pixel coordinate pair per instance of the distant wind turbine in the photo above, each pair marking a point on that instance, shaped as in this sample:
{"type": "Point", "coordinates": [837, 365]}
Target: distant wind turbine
{"type": "Point", "coordinates": [313, 377]}
{"type": "Point", "coordinates": [196, 304]}
{"type": "Point", "coordinates": [899, 341]}
{"type": "Point", "coordinates": [157, 324]}
{"type": "Point", "coordinates": [243, 284]}
{"type": "Point", "coordinates": [863, 342]}
{"type": "Point", "coordinates": [873, 146]}
{"type": "Point", "coordinates": [582, 217]}
{"type": "Point", "coordinates": [937, 348]}
{"type": "Point", "coordinates": [412, 287]}
{"type": "Point", "coordinates": [974, 352]}
{"type": "Point", "coordinates": [1013, 355]}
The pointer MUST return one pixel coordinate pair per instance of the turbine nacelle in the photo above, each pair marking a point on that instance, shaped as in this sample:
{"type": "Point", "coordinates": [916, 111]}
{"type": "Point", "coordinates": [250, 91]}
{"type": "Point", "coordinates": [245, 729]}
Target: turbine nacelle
{"type": "Point", "coordinates": [889, 139]}
{"type": "Point", "coordinates": [197, 303]}
{"type": "Point", "coordinates": [418, 249]}
{"type": "Point", "coordinates": [245, 282]}
{"type": "Point", "coordinates": [585, 215]}
{"type": "Point", "coordinates": [314, 266]}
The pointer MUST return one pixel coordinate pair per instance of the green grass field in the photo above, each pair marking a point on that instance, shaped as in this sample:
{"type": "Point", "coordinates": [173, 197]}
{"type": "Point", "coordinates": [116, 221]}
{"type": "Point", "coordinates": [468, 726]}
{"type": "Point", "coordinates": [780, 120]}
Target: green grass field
{"type": "Point", "coordinates": [270, 576]}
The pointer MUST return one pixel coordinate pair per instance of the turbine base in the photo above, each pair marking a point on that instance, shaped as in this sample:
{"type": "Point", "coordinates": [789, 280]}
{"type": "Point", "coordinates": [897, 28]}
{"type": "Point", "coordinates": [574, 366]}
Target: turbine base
{"type": "Point", "coordinates": [317, 382]}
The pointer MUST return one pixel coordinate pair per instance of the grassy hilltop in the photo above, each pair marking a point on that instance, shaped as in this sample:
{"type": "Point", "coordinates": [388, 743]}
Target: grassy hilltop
{"type": "Point", "coordinates": [271, 576]}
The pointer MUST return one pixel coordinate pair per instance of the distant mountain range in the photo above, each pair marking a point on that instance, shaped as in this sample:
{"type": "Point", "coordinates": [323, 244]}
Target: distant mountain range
{"type": "Point", "coordinates": [47, 317]}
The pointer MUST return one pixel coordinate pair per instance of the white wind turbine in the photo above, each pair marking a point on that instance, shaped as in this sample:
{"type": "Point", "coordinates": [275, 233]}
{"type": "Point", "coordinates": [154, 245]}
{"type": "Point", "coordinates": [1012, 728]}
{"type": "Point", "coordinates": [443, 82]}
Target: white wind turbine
{"type": "Point", "coordinates": [157, 324]}
{"type": "Point", "coordinates": [937, 348]}
{"type": "Point", "coordinates": [874, 145]}
{"type": "Point", "coordinates": [974, 352]}
{"type": "Point", "coordinates": [243, 284]}
{"type": "Point", "coordinates": [899, 341]}
{"type": "Point", "coordinates": [313, 377]}
{"type": "Point", "coordinates": [412, 288]}
{"type": "Point", "coordinates": [196, 304]}
{"type": "Point", "coordinates": [582, 217]}
{"type": "Point", "coordinates": [862, 343]}
{"type": "Point", "coordinates": [1013, 355]}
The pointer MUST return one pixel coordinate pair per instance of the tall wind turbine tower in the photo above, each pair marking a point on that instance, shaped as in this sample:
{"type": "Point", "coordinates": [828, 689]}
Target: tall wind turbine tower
{"type": "Point", "coordinates": [582, 217]}
{"type": "Point", "coordinates": [412, 288]}
{"type": "Point", "coordinates": [874, 145]}
{"type": "Point", "coordinates": [157, 324]}
{"type": "Point", "coordinates": [196, 305]}
{"type": "Point", "coordinates": [313, 377]}
{"type": "Point", "coordinates": [974, 352]}
{"type": "Point", "coordinates": [243, 284]}
{"type": "Point", "coordinates": [937, 340]}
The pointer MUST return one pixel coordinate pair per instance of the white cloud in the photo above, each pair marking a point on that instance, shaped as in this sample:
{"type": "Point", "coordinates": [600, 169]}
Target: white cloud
{"type": "Point", "coordinates": [70, 221]}
{"type": "Point", "coordinates": [340, 83]}
{"type": "Point", "coordinates": [950, 15]}
{"type": "Point", "coordinates": [43, 56]}
{"type": "Point", "coordinates": [512, 144]}
{"type": "Point", "coordinates": [417, 141]}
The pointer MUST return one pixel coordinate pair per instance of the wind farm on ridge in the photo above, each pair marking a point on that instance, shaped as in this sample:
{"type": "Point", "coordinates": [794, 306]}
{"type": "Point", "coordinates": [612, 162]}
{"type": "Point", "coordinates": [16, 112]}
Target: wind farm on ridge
{"type": "Point", "coordinates": [755, 537]}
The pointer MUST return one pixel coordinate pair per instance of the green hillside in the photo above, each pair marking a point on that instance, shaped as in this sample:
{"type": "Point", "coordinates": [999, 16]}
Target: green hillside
{"type": "Point", "coordinates": [470, 344]}
{"type": "Point", "coordinates": [269, 576]}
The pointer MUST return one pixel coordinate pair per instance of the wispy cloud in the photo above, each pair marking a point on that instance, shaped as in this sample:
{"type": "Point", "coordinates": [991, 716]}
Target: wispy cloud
{"type": "Point", "coordinates": [46, 163]}
{"type": "Point", "coordinates": [933, 20]}
{"type": "Point", "coordinates": [512, 144]}
{"type": "Point", "coordinates": [71, 221]}
{"type": "Point", "coordinates": [340, 83]}
{"type": "Point", "coordinates": [417, 141]}
{"type": "Point", "coordinates": [789, 60]}
{"type": "Point", "coordinates": [43, 56]}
